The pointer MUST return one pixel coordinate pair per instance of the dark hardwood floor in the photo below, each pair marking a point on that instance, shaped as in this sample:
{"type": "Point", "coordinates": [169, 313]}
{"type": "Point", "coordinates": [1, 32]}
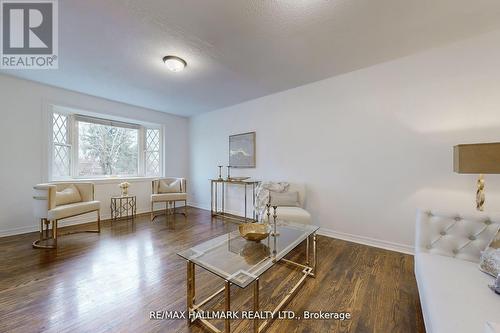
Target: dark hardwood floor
{"type": "Point", "coordinates": [110, 282]}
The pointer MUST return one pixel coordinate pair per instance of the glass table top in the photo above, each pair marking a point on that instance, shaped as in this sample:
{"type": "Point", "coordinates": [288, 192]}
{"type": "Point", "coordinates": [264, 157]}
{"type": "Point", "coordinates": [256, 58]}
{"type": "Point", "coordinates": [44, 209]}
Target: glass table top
{"type": "Point", "coordinates": [239, 261]}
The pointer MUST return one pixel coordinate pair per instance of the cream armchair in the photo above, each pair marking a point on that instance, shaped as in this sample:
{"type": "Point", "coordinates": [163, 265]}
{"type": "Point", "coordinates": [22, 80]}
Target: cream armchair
{"type": "Point", "coordinates": [168, 190]}
{"type": "Point", "coordinates": [57, 201]}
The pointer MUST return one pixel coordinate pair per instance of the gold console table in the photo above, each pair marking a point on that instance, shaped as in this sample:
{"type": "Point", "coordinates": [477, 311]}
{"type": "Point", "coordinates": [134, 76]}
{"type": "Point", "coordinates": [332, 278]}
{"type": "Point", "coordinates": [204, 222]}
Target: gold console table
{"type": "Point", "coordinates": [218, 194]}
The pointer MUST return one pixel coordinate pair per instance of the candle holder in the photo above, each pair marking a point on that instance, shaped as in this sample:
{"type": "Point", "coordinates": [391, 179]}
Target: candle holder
{"type": "Point", "coordinates": [220, 172]}
{"type": "Point", "coordinates": [274, 232]}
{"type": "Point", "coordinates": [228, 172]}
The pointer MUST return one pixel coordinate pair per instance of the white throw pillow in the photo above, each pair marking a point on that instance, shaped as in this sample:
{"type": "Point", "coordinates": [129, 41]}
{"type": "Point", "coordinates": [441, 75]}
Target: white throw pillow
{"type": "Point", "coordinates": [168, 186]}
{"type": "Point", "coordinates": [490, 258]}
{"type": "Point", "coordinates": [492, 328]}
{"type": "Point", "coordinates": [285, 199]}
{"type": "Point", "coordinates": [68, 196]}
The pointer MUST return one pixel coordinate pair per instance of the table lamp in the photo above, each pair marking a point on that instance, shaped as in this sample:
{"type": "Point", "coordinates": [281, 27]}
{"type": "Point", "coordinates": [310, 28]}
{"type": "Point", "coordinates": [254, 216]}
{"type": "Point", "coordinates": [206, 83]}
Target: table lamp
{"type": "Point", "coordinates": [478, 158]}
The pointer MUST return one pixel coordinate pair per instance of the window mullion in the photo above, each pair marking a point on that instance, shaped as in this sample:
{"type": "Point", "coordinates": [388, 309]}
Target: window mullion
{"type": "Point", "coordinates": [141, 160]}
{"type": "Point", "coordinates": [74, 146]}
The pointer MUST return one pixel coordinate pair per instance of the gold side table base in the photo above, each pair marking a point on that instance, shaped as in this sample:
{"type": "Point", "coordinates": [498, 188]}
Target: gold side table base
{"type": "Point", "coordinates": [193, 308]}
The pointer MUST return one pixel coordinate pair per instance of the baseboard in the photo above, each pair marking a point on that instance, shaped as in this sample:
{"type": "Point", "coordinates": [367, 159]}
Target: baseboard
{"type": "Point", "coordinates": [70, 222]}
{"type": "Point", "coordinates": [386, 245]}
{"type": "Point", "coordinates": [392, 246]}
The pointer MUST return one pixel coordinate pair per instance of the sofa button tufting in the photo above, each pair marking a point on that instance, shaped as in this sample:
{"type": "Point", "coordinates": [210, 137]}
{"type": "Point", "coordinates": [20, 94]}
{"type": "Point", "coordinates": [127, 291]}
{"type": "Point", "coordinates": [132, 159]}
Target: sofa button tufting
{"type": "Point", "coordinates": [487, 221]}
{"type": "Point", "coordinates": [455, 251]}
{"type": "Point", "coordinates": [428, 247]}
{"type": "Point", "coordinates": [442, 233]}
{"type": "Point", "coordinates": [458, 218]}
{"type": "Point", "coordinates": [472, 238]}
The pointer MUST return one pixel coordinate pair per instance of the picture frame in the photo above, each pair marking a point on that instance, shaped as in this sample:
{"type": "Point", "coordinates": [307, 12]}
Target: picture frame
{"type": "Point", "coordinates": [242, 150]}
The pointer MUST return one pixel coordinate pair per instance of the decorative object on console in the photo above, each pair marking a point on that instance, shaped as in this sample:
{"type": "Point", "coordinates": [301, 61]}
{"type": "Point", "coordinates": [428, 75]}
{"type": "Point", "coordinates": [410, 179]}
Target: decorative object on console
{"type": "Point", "coordinates": [228, 172]}
{"type": "Point", "coordinates": [238, 179]}
{"type": "Point", "coordinates": [480, 158]}
{"type": "Point", "coordinates": [242, 150]}
{"type": "Point", "coordinates": [124, 187]}
{"type": "Point", "coordinates": [220, 172]}
{"type": "Point", "coordinates": [253, 231]}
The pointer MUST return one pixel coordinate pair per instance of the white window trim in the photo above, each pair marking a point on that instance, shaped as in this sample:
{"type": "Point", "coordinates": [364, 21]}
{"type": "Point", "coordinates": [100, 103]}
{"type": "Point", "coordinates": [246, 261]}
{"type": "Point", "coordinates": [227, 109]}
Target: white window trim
{"type": "Point", "coordinates": [50, 109]}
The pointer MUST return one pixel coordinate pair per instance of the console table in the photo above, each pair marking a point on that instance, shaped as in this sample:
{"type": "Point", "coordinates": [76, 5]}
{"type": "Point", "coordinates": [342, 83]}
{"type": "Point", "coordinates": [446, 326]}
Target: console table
{"type": "Point", "coordinates": [217, 192]}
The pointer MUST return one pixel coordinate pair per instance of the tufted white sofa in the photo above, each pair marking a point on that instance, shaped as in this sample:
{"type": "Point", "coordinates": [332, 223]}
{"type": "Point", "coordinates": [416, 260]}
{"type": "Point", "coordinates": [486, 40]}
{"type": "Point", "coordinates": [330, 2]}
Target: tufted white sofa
{"type": "Point", "coordinates": [454, 293]}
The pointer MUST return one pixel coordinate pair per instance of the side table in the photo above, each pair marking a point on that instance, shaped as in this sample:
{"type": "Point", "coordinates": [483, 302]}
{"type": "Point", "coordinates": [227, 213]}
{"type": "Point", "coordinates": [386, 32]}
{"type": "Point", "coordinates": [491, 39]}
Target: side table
{"type": "Point", "coordinates": [123, 207]}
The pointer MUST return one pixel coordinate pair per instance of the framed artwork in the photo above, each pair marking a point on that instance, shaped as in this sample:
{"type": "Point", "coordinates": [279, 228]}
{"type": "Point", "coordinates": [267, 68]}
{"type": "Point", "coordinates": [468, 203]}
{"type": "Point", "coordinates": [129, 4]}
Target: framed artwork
{"type": "Point", "coordinates": [242, 150]}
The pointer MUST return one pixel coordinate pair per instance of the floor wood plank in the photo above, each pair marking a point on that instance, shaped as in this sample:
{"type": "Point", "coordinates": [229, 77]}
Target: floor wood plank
{"type": "Point", "coordinates": [110, 282]}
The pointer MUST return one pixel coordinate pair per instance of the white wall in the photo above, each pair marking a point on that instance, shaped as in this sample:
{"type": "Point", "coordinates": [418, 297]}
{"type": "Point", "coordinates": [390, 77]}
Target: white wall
{"type": "Point", "coordinates": [22, 147]}
{"type": "Point", "coordinates": [371, 145]}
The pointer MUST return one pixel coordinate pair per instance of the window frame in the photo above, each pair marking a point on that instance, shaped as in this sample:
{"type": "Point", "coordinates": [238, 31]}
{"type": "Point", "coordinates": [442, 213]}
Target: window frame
{"type": "Point", "coordinates": [74, 116]}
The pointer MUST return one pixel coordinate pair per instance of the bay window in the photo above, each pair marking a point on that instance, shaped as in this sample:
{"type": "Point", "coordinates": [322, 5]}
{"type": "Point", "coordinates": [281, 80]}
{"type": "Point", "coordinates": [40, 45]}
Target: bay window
{"type": "Point", "coordinates": [92, 147]}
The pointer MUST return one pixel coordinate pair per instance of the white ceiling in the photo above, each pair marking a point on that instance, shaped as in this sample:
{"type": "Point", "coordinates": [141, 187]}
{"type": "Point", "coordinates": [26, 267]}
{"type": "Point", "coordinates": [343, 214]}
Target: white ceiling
{"type": "Point", "coordinates": [241, 49]}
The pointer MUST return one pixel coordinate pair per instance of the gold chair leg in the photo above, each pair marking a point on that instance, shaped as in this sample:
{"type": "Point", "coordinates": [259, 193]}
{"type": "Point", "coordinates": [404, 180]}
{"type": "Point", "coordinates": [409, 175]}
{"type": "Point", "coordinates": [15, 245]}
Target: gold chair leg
{"type": "Point", "coordinates": [174, 209]}
{"type": "Point", "coordinates": [99, 221]}
{"type": "Point", "coordinates": [152, 214]}
{"type": "Point", "coordinates": [185, 208]}
{"type": "Point", "coordinates": [44, 235]}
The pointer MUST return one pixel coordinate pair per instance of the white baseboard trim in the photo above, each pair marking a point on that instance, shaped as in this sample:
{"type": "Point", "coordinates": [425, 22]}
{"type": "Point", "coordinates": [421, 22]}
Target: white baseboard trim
{"type": "Point", "coordinates": [392, 246]}
{"type": "Point", "coordinates": [91, 217]}
{"type": "Point", "coordinates": [198, 205]}
{"type": "Point", "coordinates": [386, 245]}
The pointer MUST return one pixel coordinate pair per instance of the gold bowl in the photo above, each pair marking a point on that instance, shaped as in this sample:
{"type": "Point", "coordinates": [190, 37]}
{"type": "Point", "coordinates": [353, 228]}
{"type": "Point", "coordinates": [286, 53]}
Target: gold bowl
{"type": "Point", "coordinates": [253, 231]}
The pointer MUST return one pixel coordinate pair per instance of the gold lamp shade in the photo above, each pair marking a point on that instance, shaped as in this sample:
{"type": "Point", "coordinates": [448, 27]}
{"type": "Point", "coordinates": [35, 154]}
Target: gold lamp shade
{"type": "Point", "coordinates": [478, 158]}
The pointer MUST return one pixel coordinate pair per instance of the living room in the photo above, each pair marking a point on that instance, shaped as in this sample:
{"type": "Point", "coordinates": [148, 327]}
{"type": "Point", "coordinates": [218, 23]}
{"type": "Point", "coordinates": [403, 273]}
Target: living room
{"type": "Point", "coordinates": [250, 166]}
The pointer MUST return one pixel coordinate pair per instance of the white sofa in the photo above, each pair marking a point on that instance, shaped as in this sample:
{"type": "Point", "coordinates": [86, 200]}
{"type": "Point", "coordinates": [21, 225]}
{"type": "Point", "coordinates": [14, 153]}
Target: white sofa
{"type": "Point", "coordinates": [454, 293]}
{"type": "Point", "coordinates": [294, 214]}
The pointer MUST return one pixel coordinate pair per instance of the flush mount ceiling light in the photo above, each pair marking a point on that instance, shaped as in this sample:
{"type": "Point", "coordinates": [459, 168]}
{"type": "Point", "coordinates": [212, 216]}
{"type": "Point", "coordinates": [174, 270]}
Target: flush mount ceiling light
{"type": "Point", "coordinates": [174, 64]}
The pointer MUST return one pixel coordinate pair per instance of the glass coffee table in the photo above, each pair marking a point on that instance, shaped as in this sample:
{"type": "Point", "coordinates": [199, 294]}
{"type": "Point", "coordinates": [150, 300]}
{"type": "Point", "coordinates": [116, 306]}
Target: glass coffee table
{"type": "Point", "coordinates": [240, 262]}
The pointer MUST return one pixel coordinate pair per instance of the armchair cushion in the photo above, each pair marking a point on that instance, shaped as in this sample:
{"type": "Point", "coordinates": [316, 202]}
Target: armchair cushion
{"type": "Point", "coordinates": [64, 211]}
{"type": "Point", "coordinates": [162, 197]}
{"type": "Point", "coordinates": [169, 186]}
{"type": "Point", "coordinates": [68, 195]}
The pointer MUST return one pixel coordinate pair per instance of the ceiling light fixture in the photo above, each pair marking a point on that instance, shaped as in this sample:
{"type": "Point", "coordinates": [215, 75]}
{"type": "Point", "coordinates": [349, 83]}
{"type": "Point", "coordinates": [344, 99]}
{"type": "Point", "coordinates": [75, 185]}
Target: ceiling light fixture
{"type": "Point", "coordinates": [174, 64]}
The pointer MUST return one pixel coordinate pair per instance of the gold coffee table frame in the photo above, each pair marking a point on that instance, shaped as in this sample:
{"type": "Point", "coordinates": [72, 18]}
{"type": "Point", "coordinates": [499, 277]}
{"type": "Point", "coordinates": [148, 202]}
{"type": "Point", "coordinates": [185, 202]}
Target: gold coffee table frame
{"type": "Point", "coordinates": [192, 307]}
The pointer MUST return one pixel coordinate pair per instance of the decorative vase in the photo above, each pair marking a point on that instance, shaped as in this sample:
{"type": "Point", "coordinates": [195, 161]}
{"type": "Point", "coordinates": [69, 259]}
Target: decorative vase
{"type": "Point", "coordinates": [124, 188]}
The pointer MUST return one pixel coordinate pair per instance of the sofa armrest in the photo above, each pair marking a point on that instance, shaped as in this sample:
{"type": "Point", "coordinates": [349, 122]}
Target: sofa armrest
{"type": "Point", "coordinates": [45, 197]}
{"type": "Point", "coordinates": [154, 186]}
